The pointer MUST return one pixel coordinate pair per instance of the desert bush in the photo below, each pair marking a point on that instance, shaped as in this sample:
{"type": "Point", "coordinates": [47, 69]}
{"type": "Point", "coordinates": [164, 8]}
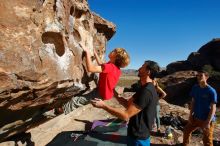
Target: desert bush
{"type": "Point", "coordinates": [216, 75]}
{"type": "Point", "coordinates": [212, 73]}
{"type": "Point", "coordinates": [208, 68]}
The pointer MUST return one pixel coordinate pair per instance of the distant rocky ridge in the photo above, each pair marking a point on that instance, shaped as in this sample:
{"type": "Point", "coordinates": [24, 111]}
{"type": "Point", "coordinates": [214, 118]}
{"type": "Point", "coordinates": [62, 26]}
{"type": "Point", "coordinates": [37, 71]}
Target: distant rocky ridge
{"type": "Point", "coordinates": [131, 72]}
{"type": "Point", "coordinates": [134, 72]}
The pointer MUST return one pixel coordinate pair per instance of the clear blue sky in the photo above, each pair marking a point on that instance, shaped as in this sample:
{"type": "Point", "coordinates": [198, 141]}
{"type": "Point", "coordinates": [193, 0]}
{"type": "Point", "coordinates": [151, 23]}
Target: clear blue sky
{"type": "Point", "coordinates": [161, 30]}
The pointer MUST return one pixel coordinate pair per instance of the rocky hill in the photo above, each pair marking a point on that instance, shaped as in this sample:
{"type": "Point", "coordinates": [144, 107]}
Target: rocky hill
{"type": "Point", "coordinates": [179, 76]}
{"type": "Point", "coordinates": [208, 54]}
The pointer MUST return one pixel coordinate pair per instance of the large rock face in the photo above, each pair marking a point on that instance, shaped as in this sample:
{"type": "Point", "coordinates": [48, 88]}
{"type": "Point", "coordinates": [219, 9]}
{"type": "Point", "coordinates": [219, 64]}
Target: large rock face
{"type": "Point", "coordinates": [40, 56]}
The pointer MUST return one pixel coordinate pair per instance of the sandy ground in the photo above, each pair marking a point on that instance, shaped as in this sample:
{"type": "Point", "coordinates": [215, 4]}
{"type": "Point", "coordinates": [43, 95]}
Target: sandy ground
{"type": "Point", "coordinates": [75, 121]}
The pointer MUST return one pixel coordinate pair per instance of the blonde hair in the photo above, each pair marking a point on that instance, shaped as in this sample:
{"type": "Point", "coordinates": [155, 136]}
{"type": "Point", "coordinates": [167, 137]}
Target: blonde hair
{"type": "Point", "coordinates": [122, 57]}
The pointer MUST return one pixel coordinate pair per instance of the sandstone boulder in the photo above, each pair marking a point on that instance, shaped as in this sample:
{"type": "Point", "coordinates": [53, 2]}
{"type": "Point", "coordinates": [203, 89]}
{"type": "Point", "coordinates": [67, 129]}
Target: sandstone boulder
{"type": "Point", "coordinates": [198, 60]}
{"type": "Point", "coordinates": [178, 86]}
{"type": "Point", "coordinates": [41, 57]}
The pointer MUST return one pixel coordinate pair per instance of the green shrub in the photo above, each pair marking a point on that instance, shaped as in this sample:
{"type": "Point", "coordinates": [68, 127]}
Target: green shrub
{"type": "Point", "coordinates": [212, 73]}
{"type": "Point", "coordinates": [208, 68]}
{"type": "Point", "coordinates": [215, 75]}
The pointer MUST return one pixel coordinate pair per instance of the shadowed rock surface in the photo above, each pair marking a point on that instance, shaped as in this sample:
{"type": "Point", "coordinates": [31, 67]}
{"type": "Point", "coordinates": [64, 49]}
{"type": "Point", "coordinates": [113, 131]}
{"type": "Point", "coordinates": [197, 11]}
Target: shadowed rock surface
{"type": "Point", "coordinates": [211, 51]}
{"type": "Point", "coordinates": [40, 56]}
{"type": "Point", "coordinates": [178, 86]}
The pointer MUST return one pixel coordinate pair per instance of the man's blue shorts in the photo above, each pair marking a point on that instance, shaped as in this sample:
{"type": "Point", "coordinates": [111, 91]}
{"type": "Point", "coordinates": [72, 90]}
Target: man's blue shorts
{"type": "Point", "coordinates": [138, 142]}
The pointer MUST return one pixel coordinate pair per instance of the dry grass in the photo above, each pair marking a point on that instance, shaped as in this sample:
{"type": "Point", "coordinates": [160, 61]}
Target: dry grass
{"type": "Point", "coordinates": [218, 116]}
{"type": "Point", "coordinates": [127, 80]}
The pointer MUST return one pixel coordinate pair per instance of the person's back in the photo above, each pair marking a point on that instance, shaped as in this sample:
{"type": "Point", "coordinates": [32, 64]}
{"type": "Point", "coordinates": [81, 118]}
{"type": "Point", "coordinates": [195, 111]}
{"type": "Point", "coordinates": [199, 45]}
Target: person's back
{"type": "Point", "coordinates": [108, 79]}
{"type": "Point", "coordinates": [161, 94]}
